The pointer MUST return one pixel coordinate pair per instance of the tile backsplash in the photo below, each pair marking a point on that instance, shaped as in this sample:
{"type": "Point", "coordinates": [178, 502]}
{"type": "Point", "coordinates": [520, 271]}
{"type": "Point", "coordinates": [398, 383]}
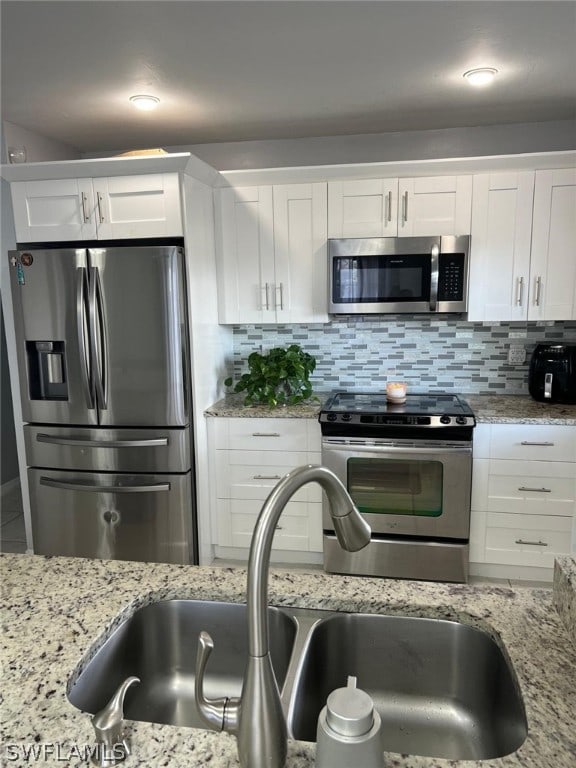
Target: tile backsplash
{"type": "Point", "coordinates": [428, 353]}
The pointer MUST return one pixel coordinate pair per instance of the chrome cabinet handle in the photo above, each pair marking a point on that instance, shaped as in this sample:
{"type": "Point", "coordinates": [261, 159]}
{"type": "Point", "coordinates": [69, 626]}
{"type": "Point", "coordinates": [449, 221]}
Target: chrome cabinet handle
{"type": "Point", "coordinates": [100, 201]}
{"type": "Point", "coordinates": [538, 290]}
{"type": "Point", "coordinates": [265, 434]}
{"type": "Point", "coordinates": [280, 292]}
{"type": "Point", "coordinates": [85, 442]}
{"type": "Point", "coordinates": [527, 442]}
{"type": "Point", "coordinates": [531, 543]}
{"type": "Point", "coordinates": [85, 214]}
{"type": "Point", "coordinates": [267, 477]}
{"type": "Point", "coordinates": [405, 207]}
{"type": "Point", "coordinates": [265, 297]}
{"type": "Point", "coordinates": [520, 291]}
{"type": "Point", "coordinates": [535, 490]}
{"type": "Point", "coordinates": [389, 206]}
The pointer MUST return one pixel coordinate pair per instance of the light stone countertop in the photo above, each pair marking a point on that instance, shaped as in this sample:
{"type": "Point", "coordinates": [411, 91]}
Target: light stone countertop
{"type": "Point", "coordinates": [56, 609]}
{"type": "Point", "coordinates": [488, 409]}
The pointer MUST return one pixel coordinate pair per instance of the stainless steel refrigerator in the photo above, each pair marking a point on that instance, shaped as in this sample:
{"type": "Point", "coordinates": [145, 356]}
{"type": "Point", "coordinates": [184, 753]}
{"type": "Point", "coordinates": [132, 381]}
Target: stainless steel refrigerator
{"type": "Point", "coordinates": [104, 370]}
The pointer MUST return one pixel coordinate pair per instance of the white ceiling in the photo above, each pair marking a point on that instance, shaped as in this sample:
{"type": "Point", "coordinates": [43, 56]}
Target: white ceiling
{"type": "Point", "coordinates": [229, 71]}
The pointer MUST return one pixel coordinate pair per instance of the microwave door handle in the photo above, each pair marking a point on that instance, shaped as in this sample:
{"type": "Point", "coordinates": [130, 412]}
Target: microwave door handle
{"type": "Point", "coordinates": [434, 277]}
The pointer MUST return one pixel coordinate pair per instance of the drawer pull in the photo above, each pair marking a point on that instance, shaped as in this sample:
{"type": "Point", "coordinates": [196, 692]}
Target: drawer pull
{"type": "Point", "coordinates": [526, 442]}
{"type": "Point", "coordinates": [535, 490]}
{"type": "Point", "coordinates": [279, 528]}
{"type": "Point", "coordinates": [267, 477]}
{"type": "Point", "coordinates": [265, 434]}
{"type": "Point", "coordinates": [532, 543]}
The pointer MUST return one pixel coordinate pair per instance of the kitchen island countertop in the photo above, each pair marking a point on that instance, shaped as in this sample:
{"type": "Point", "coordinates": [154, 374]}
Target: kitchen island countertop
{"type": "Point", "coordinates": [56, 609]}
{"type": "Point", "coordinates": [488, 409]}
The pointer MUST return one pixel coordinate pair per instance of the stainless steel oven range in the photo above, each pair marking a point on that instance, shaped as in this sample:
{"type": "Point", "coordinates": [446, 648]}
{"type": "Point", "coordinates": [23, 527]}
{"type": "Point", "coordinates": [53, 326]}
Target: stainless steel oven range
{"type": "Point", "coordinates": [408, 468]}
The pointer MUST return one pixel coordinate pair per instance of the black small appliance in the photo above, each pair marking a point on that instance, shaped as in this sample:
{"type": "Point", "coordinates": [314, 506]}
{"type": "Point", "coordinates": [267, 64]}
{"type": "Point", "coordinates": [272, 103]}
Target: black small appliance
{"type": "Point", "coordinates": [552, 376]}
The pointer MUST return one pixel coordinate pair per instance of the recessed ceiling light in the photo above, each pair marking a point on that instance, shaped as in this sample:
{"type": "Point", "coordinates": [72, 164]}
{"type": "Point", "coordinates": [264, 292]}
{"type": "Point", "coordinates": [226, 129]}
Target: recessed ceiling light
{"type": "Point", "coordinates": [481, 76]}
{"type": "Point", "coordinates": [145, 103]}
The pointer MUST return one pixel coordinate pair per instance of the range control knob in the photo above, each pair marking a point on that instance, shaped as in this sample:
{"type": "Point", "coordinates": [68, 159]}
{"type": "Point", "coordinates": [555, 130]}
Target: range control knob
{"type": "Point", "coordinates": [346, 416]}
{"type": "Point", "coordinates": [445, 419]}
{"type": "Point", "coordinates": [460, 419]}
{"type": "Point", "coordinates": [331, 417]}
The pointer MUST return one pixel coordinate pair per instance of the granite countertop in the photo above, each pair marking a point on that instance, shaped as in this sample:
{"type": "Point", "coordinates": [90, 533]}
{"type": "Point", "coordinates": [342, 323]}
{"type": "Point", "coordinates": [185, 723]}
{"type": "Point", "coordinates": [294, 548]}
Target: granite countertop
{"type": "Point", "coordinates": [55, 609]}
{"type": "Point", "coordinates": [519, 409]}
{"type": "Point", "coordinates": [488, 409]}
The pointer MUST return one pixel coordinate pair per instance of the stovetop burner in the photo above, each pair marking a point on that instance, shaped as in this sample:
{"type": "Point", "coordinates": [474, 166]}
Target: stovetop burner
{"type": "Point", "coordinates": [371, 410]}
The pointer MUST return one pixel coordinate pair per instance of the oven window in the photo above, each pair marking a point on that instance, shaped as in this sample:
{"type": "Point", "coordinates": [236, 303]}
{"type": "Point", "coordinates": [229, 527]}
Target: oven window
{"type": "Point", "coordinates": [396, 487]}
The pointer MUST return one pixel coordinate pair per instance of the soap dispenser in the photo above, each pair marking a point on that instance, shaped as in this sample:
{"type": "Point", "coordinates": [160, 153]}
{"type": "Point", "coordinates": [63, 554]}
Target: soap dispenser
{"type": "Point", "coordinates": [349, 730]}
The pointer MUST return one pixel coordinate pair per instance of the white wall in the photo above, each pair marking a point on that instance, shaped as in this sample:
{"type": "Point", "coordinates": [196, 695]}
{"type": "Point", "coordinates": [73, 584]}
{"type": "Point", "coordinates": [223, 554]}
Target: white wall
{"type": "Point", "coordinates": [38, 147]}
{"type": "Point", "coordinates": [480, 141]}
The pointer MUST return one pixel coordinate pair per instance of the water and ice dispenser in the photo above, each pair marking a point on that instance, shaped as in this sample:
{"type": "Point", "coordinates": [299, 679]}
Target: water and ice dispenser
{"type": "Point", "coordinates": [47, 370]}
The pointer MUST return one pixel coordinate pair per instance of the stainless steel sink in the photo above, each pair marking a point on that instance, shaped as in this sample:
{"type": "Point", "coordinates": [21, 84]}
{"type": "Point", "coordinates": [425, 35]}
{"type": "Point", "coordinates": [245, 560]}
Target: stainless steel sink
{"type": "Point", "coordinates": [158, 645]}
{"type": "Point", "coordinates": [442, 689]}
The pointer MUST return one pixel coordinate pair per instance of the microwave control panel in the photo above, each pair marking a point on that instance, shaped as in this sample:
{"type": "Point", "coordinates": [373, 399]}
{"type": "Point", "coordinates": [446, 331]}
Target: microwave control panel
{"type": "Point", "coordinates": [451, 276]}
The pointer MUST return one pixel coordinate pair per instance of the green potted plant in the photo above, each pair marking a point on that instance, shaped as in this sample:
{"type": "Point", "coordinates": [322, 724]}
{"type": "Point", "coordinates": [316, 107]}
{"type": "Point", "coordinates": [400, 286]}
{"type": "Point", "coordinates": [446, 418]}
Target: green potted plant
{"type": "Point", "coordinates": [280, 377]}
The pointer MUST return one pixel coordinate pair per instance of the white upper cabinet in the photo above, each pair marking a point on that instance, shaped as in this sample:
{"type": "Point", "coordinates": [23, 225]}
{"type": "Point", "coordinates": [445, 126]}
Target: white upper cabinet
{"type": "Point", "coordinates": [553, 262]}
{"type": "Point", "coordinates": [522, 263]}
{"type": "Point", "coordinates": [411, 207]}
{"type": "Point", "coordinates": [500, 246]}
{"type": "Point", "coordinates": [363, 208]}
{"type": "Point", "coordinates": [56, 210]}
{"type": "Point", "coordinates": [272, 262]}
{"type": "Point", "coordinates": [434, 205]}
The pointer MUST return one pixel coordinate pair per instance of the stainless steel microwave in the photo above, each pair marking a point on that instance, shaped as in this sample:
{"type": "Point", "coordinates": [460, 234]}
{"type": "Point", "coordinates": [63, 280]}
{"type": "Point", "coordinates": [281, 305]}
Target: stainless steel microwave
{"type": "Point", "coordinates": [381, 275]}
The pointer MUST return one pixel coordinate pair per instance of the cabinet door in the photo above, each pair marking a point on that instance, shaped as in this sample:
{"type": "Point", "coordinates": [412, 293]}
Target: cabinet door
{"type": "Point", "coordinates": [138, 206]}
{"type": "Point", "coordinates": [53, 211]}
{"type": "Point", "coordinates": [434, 205]}
{"type": "Point", "coordinates": [553, 266]}
{"type": "Point", "coordinates": [245, 255]}
{"type": "Point", "coordinates": [500, 246]}
{"type": "Point", "coordinates": [300, 260]}
{"type": "Point", "coordinates": [363, 208]}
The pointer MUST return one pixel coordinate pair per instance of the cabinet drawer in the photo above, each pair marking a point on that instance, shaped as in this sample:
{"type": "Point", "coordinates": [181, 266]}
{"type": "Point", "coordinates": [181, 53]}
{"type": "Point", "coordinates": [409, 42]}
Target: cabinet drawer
{"type": "Point", "coordinates": [537, 488]}
{"type": "Point", "coordinates": [533, 442]}
{"type": "Point", "coordinates": [266, 434]}
{"type": "Point", "coordinates": [534, 541]}
{"type": "Point", "coordinates": [253, 474]}
{"type": "Point", "coordinates": [237, 519]}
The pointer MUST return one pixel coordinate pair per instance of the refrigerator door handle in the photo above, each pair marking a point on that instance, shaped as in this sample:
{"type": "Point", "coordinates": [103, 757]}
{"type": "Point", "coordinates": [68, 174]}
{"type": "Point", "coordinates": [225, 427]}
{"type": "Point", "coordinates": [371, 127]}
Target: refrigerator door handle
{"type": "Point", "coordinates": [86, 442]}
{"type": "Point", "coordinates": [82, 323]}
{"type": "Point", "coordinates": [99, 338]}
{"type": "Point", "coordinates": [68, 486]}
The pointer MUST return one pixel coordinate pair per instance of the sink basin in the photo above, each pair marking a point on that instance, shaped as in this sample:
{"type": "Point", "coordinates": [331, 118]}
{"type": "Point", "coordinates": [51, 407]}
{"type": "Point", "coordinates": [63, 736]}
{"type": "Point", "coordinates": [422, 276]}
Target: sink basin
{"type": "Point", "coordinates": [442, 689]}
{"type": "Point", "coordinates": [158, 645]}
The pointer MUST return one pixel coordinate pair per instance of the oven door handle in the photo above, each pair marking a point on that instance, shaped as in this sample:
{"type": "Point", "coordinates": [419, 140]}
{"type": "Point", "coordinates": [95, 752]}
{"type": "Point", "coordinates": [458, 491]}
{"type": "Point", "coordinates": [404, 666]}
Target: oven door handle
{"type": "Point", "coordinates": [394, 449]}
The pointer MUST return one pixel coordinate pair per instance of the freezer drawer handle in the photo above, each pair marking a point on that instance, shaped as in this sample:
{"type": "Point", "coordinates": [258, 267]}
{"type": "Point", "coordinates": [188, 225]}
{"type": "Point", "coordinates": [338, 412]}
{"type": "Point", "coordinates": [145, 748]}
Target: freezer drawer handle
{"type": "Point", "coordinates": [86, 442]}
{"type": "Point", "coordinates": [104, 488]}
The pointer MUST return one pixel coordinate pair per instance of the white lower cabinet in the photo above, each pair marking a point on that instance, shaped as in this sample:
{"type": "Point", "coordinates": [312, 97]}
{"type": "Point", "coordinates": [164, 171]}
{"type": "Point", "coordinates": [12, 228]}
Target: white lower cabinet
{"type": "Point", "coordinates": [523, 495]}
{"type": "Point", "coordinates": [250, 456]}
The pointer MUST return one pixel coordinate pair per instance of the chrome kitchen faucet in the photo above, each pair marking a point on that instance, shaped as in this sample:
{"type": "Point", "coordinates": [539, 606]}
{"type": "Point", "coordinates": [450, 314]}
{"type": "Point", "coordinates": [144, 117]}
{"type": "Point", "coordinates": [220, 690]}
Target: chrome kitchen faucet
{"type": "Point", "coordinates": [256, 718]}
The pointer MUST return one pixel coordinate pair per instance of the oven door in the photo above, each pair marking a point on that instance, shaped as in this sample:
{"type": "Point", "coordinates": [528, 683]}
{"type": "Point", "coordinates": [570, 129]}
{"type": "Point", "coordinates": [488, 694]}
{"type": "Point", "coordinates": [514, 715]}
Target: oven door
{"type": "Point", "coordinates": [404, 487]}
